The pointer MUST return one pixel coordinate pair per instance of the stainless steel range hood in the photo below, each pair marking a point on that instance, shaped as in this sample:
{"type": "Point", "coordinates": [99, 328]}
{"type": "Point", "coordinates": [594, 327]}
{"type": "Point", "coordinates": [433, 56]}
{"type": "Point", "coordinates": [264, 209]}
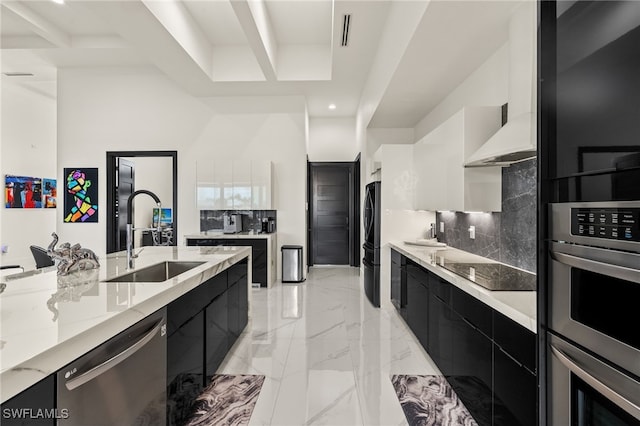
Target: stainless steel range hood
{"type": "Point", "coordinates": [516, 140]}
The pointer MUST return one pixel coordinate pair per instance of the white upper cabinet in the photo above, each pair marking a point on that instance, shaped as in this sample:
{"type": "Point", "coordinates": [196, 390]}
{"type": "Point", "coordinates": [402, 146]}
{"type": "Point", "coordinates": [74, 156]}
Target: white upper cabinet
{"type": "Point", "coordinates": [443, 183]}
{"type": "Point", "coordinates": [223, 184]}
{"type": "Point", "coordinates": [261, 193]}
{"type": "Point", "coordinates": [242, 185]}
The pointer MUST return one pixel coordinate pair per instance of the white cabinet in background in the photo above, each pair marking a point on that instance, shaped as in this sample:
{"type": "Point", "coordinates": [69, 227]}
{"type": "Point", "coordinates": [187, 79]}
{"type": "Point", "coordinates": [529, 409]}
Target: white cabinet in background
{"type": "Point", "coordinates": [443, 183]}
{"type": "Point", "coordinates": [242, 185]}
{"type": "Point", "coordinates": [261, 193]}
{"type": "Point", "coordinates": [224, 184]}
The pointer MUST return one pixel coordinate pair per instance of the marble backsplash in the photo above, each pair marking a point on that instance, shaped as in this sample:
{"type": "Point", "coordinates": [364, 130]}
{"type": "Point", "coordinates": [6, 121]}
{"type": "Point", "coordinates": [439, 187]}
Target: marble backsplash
{"type": "Point", "coordinates": [508, 236]}
{"type": "Point", "coordinates": [251, 219]}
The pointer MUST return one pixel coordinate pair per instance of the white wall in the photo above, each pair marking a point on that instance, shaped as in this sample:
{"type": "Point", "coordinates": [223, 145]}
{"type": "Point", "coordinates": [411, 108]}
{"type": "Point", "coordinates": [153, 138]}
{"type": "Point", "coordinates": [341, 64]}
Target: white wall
{"type": "Point", "coordinates": [332, 139]}
{"type": "Point", "coordinates": [139, 109]}
{"type": "Point", "coordinates": [399, 221]}
{"type": "Point", "coordinates": [486, 86]}
{"type": "Point", "coordinates": [27, 148]}
{"type": "Point", "coordinates": [152, 174]}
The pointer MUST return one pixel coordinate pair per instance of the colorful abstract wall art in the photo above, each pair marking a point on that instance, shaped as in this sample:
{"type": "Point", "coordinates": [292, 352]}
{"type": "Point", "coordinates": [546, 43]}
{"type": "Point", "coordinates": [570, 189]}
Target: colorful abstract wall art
{"type": "Point", "coordinates": [49, 193]}
{"type": "Point", "coordinates": [22, 192]}
{"type": "Point", "coordinates": [81, 195]}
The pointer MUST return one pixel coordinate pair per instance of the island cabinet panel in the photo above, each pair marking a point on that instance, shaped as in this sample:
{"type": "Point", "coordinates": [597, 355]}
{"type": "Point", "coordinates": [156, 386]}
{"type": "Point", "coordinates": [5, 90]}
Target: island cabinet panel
{"type": "Point", "coordinates": [203, 324]}
{"type": "Point", "coordinates": [488, 359]}
{"type": "Point", "coordinates": [33, 406]}
{"type": "Point", "coordinates": [185, 368]}
{"type": "Point", "coordinates": [258, 253]}
{"type": "Point", "coordinates": [237, 302]}
{"type": "Point", "coordinates": [216, 334]}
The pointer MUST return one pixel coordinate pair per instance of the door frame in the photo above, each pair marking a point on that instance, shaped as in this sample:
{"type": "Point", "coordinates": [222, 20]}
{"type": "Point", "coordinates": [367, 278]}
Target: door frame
{"type": "Point", "coordinates": [354, 207]}
{"type": "Point", "coordinates": [112, 224]}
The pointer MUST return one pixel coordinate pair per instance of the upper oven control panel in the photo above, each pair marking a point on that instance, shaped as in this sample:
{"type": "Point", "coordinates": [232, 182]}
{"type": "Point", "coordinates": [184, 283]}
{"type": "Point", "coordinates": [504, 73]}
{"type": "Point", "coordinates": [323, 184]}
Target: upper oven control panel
{"type": "Point", "coordinates": [609, 223]}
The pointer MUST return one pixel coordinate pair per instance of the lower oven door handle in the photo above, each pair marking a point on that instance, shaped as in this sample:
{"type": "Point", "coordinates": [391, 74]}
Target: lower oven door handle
{"type": "Point", "coordinates": [621, 272]}
{"type": "Point", "coordinates": [615, 397]}
{"type": "Point", "coordinates": [105, 366]}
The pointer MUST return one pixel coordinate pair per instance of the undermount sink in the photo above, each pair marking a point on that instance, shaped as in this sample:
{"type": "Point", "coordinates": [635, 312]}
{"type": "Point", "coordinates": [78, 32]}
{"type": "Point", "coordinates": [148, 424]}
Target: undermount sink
{"type": "Point", "coordinates": [157, 273]}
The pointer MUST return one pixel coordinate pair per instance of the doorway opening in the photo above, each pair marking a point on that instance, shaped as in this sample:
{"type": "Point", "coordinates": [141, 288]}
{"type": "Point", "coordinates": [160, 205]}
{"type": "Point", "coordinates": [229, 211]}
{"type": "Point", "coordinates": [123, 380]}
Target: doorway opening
{"type": "Point", "coordinates": [334, 213]}
{"type": "Point", "coordinates": [151, 168]}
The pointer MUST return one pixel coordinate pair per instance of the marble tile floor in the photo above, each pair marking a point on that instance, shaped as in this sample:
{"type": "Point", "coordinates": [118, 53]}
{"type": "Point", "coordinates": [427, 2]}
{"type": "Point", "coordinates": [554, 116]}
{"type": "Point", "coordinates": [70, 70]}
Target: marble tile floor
{"type": "Point", "coordinates": [327, 355]}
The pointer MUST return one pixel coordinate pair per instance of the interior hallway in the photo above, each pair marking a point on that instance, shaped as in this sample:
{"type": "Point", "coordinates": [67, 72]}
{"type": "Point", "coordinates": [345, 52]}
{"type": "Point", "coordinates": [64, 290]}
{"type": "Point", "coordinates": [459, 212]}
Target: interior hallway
{"type": "Point", "coordinates": [327, 354]}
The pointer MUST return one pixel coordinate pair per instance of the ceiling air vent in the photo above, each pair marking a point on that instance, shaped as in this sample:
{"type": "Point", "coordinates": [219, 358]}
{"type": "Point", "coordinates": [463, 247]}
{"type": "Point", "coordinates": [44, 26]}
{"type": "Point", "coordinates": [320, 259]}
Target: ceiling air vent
{"type": "Point", "coordinates": [346, 23]}
{"type": "Point", "coordinates": [18, 74]}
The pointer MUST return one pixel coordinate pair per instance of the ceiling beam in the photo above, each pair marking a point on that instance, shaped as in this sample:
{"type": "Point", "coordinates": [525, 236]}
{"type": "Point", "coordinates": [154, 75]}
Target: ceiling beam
{"type": "Point", "coordinates": [176, 19]}
{"type": "Point", "coordinates": [166, 33]}
{"type": "Point", "coordinates": [255, 22]}
{"type": "Point", "coordinates": [403, 19]}
{"type": "Point", "coordinates": [39, 25]}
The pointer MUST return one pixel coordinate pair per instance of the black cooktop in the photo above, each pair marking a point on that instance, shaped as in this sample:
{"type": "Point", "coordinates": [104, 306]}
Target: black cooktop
{"type": "Point", "coordinates": [493, 276]}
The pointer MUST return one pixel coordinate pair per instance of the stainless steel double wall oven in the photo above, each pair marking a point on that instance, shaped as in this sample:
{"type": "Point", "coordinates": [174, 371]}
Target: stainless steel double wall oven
{"type": "Point", "coordinates": [594, 320]}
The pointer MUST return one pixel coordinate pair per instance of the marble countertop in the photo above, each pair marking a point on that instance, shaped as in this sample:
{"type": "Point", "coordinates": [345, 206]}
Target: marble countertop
{"type": "Point", "coordinates": [220, 234]}
{"type": "Point", "coordinates": [47, 321]}
{"type": "Point", "coordinates": [520, 306]}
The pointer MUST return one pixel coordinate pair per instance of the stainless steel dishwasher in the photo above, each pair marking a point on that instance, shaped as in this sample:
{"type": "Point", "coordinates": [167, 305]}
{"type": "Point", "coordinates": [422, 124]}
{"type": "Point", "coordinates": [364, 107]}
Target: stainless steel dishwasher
{"type": "Point", "coordinates": [121, 382]}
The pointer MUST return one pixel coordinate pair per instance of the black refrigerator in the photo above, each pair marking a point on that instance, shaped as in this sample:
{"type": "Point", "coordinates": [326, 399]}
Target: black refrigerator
{"type": "Point", "coordinates": [371, 260]}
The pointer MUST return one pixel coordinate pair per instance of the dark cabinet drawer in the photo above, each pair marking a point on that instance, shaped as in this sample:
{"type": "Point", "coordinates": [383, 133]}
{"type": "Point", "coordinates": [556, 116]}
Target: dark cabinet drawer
{"type": "Point", "coordinates": [516, 340]}
{"type": "Point", "coordinates": [216, 334]}
{"type": "Point", "coordinates": [440, 336]}
{"type": "Point", "coordinates": [396, 257]}
{"type": "Point", "coordinates": [471, 377]}
{"type": "Point", "coordinates": [473, 310]}
{"type": "Point", "coordinates": [186, 307]}
{"type": "Point", "coordinates": [515, 392]}
{"type": "Point", "coordinates": [417, 313]}
{"type": "Point", "coordinates": [398, 282]}
{"type": "Point", "coordinates": [440, 288]}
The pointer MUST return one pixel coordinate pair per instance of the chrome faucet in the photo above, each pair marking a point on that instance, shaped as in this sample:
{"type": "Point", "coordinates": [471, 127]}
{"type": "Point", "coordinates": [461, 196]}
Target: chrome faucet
{"type": "Point", "coordinates": [130, 255]}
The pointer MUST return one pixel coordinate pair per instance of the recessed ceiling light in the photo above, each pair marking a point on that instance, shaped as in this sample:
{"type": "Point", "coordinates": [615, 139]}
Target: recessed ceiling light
{"type": "Point", "coordinates": [58, 1]}
{"type": "Point", "coordinates": [332, 106]}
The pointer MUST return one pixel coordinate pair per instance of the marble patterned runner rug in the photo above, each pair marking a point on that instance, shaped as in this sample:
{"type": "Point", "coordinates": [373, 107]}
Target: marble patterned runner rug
{"type": "Point", "coordinates": [228, 400]}
{"type": "Point", "coordinates": [430, 401]}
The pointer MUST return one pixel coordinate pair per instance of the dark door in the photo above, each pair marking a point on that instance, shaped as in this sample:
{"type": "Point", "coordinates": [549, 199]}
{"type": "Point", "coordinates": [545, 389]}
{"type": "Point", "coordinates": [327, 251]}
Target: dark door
{"type": "Point", "coordinates": [331, 211]}
{"type": "Point", "coordinates": [126, 186]}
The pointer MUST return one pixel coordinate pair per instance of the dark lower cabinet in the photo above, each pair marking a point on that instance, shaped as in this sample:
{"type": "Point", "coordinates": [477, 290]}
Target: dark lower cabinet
{"type": "Point", "coordinates": [398, 282]}
{"type": "Point", "coordinates": [216, 334]}
{"type": "Point", "coordinates": [202, 325]}
{"type": "Point", "coordinates": [185, 368]}
{"type": "Point", "coordinates": [33, 407]}
{"type": "Point", "coordinates": [238, 300]}
{"type": "Point", "coordinates": [515, 392]}
{"type": "Point", "coordinates": [440, 339]}
{"type": "Point", "coordinates": [488, 359]}
{"type": "Point", "coordinates": [472, 369]}
{"type": "Point", "coordinates": [417, 316]}
{"type": "Point", "coordinates": [258, 253]}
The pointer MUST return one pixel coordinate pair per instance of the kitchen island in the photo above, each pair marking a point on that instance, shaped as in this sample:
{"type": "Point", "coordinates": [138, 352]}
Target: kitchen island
{"type": "Point", "coordinates": [48, 321]}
